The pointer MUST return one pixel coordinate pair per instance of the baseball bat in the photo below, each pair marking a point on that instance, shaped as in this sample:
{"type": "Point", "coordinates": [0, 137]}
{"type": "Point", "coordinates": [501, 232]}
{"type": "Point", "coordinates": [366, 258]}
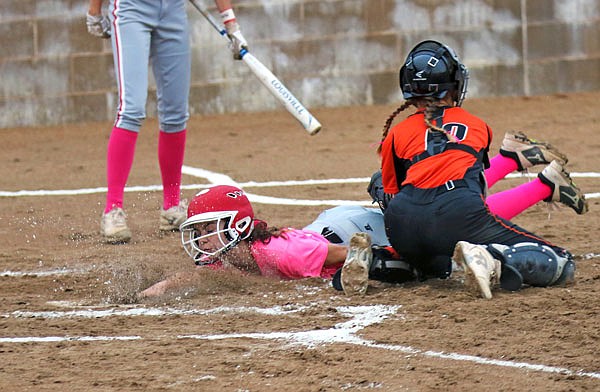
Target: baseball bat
{"type": "Point", "coordinates": [270, 81]}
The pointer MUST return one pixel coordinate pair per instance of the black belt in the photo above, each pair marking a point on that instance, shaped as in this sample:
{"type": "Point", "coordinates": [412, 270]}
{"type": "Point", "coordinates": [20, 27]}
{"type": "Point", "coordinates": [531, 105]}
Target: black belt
{"type": "Point", "coordinates": [448, 186]}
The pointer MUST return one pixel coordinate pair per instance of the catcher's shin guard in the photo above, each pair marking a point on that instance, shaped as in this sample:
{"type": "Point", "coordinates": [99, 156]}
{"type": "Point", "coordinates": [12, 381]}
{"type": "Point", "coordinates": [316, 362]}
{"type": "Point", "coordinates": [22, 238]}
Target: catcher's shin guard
{"type": "Point", "coordinates": [533, 264]}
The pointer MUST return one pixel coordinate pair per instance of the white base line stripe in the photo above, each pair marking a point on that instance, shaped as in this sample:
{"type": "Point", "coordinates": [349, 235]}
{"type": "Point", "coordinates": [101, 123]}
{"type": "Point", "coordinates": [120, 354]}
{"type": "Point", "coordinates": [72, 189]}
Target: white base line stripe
{"type": "Point", "coordinates": [58, 271]}
{"type": "Point", "coordinates": [219, 178]}
{"type": "Point", "coordinates": [51, 339]}
{"type": "Point", "coordinates": [488, 361]}
{"type": "Point", "coordinates": [343, 333]}
{"type": "Point", "coordinates": [79, 271]}
{"type": "Point", "coordinates": [133, 312]}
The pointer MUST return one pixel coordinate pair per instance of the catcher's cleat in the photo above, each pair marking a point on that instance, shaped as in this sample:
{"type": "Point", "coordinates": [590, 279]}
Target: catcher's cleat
{"type": "Point", "coordinates": [172, 218]}
{"type": "Point", "coordinates": [563, 188]}
{"type": "Point", "coordinates": [482, 271]}
{"type": "Point", "coordinates": [113, 227]}
{"type": "Point", "coordinates": [529, 152]}
{"type": "Point", "coordinates": [355, 272]}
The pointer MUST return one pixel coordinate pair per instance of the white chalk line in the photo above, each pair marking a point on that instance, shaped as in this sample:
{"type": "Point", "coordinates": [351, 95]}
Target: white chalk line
{"type": "Point", "coordinates": [133, 312]}
{"type": "Point", "coordinates": [52, 272]}
{"type": "Point", "coordinates": [342, 333]}
{"type": "Point", "coordinates": [51, 339]}
{"type": "Point", "coordinates": [219, 178]}
{"type": "Point", "coordinates": [85, 270]}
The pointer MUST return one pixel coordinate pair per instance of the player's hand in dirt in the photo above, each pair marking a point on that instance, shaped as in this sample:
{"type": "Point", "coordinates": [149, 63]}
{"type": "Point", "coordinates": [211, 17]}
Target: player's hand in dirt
{"type": "Point", "coordinates": [155, 290]}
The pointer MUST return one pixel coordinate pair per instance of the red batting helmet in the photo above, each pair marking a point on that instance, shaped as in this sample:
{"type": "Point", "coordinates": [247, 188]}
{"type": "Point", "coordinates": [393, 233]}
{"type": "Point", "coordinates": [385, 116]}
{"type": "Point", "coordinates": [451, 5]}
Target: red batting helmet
{"type": "Point", "coordinates": [229, 209]}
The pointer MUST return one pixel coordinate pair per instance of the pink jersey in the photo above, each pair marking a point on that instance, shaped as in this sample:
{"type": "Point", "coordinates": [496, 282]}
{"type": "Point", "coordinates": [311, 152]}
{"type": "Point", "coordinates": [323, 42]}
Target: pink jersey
{"type": "Point", "coordinates": [295, 254]}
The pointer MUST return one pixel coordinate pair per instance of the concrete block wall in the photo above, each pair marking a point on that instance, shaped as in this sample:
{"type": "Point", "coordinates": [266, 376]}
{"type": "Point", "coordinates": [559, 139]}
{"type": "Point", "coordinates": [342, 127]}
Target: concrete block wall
{"type": "Point", "coordinates": [327, 52]}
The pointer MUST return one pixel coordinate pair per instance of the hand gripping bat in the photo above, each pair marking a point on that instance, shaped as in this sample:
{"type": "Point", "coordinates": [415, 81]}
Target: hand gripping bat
{"type": "Point", "coordinates": [270, 81]}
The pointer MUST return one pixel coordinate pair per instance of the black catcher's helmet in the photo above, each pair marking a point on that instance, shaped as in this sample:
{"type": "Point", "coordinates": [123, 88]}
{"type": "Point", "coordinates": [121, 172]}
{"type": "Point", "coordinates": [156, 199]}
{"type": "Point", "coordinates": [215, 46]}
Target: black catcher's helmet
{"type": "Point", "coordinates": [433, 69]}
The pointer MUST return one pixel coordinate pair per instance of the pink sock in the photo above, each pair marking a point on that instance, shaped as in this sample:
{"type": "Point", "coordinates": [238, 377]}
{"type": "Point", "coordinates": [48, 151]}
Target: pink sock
{"type": "Point", "coordinates": [500, 166]}
{"type": "Point", "coordinates": [171, 148]}
{"type": "Point", "coordinates": [511, 202]}
{"type": "Point", "coordinates": [119, 158]}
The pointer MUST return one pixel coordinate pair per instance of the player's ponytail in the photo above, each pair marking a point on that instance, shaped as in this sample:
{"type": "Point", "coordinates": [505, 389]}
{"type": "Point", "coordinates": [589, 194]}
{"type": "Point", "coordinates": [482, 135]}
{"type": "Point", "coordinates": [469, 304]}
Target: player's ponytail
{"type": "Point", "coordinates": [390, 120]}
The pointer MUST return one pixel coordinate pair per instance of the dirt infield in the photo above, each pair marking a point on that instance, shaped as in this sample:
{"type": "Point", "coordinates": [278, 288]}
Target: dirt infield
{"type": "Point", "coordinates": [69, 319]}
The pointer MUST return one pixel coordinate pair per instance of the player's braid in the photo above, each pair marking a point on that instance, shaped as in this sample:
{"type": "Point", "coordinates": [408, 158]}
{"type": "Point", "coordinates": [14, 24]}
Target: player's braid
{"type": "Point", "coordinates": [390, 120]}
{"type": "Point", "coordinates": [430, 110]}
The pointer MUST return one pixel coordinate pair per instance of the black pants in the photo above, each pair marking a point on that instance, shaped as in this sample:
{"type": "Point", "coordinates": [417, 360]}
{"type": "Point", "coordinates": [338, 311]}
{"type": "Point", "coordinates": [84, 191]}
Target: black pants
{"type": "Point", "coordinates": [425, 225]}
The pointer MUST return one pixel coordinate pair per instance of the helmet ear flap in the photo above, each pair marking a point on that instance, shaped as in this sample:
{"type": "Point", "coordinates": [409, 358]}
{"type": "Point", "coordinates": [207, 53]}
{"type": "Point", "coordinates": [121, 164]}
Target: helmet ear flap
{"type": "Point", "coordinates": [244, 226]}
{"type": "Point", "coordinates": [404, 86]}
{"type": "Point", "coordinates": [461, 76]}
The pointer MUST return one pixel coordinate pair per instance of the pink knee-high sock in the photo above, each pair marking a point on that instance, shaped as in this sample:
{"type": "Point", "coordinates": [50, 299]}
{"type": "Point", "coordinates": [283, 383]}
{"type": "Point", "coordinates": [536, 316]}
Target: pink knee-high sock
{"type": "Point", "coordinates": [511, 202]}
{"type": "Point", "coordinates": [171, 148]}
{"type": "Point", "coordinates": [119, 158]}
{"type": "Point", "coordinates": [500, 166]}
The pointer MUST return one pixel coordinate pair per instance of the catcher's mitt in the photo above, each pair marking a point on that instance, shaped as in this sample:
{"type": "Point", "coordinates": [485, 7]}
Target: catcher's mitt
{"type": "Point", "coordinates": [375, 189]}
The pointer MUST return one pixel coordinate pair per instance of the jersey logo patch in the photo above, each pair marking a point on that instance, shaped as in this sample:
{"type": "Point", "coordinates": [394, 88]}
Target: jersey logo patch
{"type": "Point", "coordinates": [457, 130]}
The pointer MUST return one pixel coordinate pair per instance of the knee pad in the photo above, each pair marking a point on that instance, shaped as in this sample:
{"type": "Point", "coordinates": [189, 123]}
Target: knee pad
{"type": "Point", "coordinates": [533, 264]}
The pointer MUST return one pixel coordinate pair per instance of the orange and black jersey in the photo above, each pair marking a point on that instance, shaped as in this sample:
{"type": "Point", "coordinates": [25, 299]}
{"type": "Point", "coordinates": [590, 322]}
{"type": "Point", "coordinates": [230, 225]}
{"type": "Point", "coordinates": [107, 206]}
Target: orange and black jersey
{"type": "Point", "coordinates": [403, 148]}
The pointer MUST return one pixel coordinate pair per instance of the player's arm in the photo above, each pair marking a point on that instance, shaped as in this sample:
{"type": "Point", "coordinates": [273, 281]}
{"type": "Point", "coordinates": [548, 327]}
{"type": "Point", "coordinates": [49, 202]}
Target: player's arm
{"type": "Point", "coordinates": [336, 254]}
{"type": "Point", "coordinates": [179, 280]}
{"type": "Point", "coordinates": [223, 5]}
{"type": "Point", "coordinates": [95, 7]}
{"type": "Point", "coordinates": [388, 169]}
{"type": "Point", "coordinates": [238, 42]}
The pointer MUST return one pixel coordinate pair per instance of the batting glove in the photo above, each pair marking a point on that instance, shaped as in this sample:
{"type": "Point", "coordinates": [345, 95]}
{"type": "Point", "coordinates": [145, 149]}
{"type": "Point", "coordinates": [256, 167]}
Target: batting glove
{"type": "Point", "coordinates": [238, 42]}
{"type": "Point", "coordinates": [98, 25]}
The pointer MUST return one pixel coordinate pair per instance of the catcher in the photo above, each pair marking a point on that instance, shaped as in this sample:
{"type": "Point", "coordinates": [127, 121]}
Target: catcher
{"type": "Point", "coordinates": [432, 164]}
